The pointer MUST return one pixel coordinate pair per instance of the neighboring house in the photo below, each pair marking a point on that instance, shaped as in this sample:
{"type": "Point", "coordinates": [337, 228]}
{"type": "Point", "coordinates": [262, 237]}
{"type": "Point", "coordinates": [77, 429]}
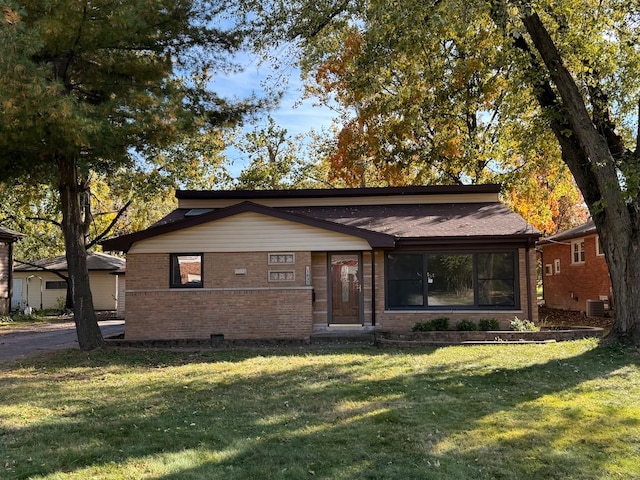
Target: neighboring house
{"type": "Point", "coordinates": [40, 287]}
{"type": "Point", "coordinates": [574, 269]}
{"type": "Point", "coordinates": [7, 239]}
{"type": "Point", "coordinates": [285, 264]}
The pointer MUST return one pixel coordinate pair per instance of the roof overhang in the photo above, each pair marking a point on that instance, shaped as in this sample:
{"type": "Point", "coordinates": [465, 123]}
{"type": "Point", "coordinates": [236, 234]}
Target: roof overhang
{"type": "Point", "coordinates": [528, 240]}
{"type": "Point", "coordinates": [125, 242]}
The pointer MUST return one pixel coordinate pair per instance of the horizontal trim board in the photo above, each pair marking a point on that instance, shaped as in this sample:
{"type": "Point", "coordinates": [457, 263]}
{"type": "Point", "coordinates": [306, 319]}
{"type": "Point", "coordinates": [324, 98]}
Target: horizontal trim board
{"type": "Point", "coordinates": [439, 312]}
{"type": "Point", "coordinates": [342, 201]}
{"type": "Point", "coordinates": [223, 289]}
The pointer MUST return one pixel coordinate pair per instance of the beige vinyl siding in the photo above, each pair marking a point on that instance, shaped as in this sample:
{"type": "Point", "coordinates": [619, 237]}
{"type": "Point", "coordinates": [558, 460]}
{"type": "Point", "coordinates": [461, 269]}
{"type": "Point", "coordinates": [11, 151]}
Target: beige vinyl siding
{"type": "Point", "coordinates": [103, 289]}
{"type": "Point", "coordinates": [250, 232]}
{"type": "Point", "coordinates": [120, 302]}
{"type": "Point", "coordinates": [342, 201]}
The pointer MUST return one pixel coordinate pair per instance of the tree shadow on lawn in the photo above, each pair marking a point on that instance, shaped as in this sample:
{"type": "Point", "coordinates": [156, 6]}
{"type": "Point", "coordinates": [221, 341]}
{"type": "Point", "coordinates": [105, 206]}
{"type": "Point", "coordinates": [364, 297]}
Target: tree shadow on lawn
{"type": "Point", "coordinates": [425, 418]}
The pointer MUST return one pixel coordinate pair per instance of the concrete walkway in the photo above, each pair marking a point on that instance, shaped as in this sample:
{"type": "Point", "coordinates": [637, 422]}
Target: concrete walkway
{"type": "Point", "coordinates": [25, 343]}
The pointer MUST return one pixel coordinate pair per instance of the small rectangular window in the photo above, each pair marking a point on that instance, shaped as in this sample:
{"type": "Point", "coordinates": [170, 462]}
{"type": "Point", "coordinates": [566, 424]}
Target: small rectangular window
{"type": "Point", "coordinates": [548, 269]}
{"type": "Point", "coordinates": [556, 264]}
{"type": "Point", "coordinates": [55, 285]}
{"type": "Point", "coordinates": [282, 275]}
{"type": "Point", "coordinates": [186, 270]}
{"type": "Point", "coordinates": [599, 249]}
{"type": "Point", "coordinates": [577, 251]}
{"type": "Point", "coordinates": [282, 258]}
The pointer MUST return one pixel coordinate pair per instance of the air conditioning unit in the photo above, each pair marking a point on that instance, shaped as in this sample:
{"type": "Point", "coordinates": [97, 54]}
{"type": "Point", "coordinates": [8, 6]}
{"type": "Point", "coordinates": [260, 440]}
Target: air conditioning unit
{"type": "Point", "coordinates": [595, 308]}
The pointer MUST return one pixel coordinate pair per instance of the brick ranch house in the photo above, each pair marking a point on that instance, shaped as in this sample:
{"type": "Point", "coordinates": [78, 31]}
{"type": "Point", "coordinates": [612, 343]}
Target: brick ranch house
{"type": "Point", "coordinates": [574, 269]}
{"type": "Point", "coordinates": [285, 264]}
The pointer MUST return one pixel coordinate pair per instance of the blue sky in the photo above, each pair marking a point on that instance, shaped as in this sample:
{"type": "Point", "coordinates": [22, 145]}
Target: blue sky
{"type": "Point", "coordinates": [292, 114]}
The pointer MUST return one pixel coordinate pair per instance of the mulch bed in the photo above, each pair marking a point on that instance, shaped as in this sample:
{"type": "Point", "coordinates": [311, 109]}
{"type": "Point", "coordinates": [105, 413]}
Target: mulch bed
{"type": "Point", "coordinates": [553, 317]}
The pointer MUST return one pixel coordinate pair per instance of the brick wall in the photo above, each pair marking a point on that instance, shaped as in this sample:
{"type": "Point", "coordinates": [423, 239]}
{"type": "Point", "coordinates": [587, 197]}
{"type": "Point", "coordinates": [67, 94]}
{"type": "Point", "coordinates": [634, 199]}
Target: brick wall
{"type": "Point", "coordinates": [237, 299]}
{"type": "Point", "coordinates": [5, 276]}
{"type": "Point", "coordinates": [575, 283]}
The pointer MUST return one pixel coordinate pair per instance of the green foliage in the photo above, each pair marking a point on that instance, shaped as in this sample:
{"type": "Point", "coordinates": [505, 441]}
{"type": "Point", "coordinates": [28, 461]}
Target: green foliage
{"type": "Point", "coordinates": [488, 324]}
{"type": "Point", "coordinates": [21, 317]}
{"type": "Point", "coordinates": [466, 326]}
{"type": "Point", "coordinates": [518, 325]}
{"type": "Point", "coordinates": [435, 324]}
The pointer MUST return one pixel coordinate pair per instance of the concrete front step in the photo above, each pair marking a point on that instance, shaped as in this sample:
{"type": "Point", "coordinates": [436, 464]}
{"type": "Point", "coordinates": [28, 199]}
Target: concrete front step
{"type": "Point", "coordinates": [343, 336]}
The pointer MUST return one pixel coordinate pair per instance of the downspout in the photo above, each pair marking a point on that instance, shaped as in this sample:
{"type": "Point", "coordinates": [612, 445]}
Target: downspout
{"type": "Point", "coordinates": [373, 288]}
{"type": "Point", "coordinates": [528, 272]}
{"type": "Point", "coordinates": [10, 277]}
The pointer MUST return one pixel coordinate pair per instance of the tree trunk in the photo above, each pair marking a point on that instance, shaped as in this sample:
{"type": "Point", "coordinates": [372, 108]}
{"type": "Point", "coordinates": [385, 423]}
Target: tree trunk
{"type": "Point", "coordinates": [87, 329]}
{"type": "Point", "coordinates": [587, 153]}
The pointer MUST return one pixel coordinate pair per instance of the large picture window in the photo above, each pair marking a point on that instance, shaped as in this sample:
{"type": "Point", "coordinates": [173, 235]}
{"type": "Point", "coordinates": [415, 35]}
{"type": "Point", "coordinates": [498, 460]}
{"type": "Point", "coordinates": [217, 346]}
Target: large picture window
{"type": "Point", "coordinates": [186, 270]}
{"type": "Point", "coordinates": [480, 280]}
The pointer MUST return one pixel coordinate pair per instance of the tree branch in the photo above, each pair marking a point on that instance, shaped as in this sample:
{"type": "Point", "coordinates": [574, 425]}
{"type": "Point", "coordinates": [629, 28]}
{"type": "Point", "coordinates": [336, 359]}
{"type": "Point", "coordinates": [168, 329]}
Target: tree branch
{"type": "Point", "coordinates": [106, 231]}
{"type": "Point", "coordinates": [42, 269]}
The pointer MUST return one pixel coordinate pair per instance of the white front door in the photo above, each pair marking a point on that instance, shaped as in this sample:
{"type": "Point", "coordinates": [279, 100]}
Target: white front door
{"type": "Point", "coordinates": [16, 297]}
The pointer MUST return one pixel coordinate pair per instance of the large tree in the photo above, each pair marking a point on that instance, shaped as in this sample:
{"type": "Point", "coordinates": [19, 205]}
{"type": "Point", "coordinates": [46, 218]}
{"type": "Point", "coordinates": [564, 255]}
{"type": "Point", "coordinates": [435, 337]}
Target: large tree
{"type": "Point", "coordinates": [570, 66]}
{"type": "Point", "coordinates": [106, 87]}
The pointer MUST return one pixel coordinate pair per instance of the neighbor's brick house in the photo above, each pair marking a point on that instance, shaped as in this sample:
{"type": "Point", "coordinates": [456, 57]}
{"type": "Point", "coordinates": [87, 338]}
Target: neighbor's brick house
{"type": "Point", "coordinates": [574, 269]}
{"type": "Point", "coordinates": [286, 264]}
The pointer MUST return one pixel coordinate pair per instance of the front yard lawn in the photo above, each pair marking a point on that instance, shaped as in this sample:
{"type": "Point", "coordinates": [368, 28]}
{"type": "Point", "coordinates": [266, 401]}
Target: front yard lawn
{"type": "Point", "coordinates": [569, 410]}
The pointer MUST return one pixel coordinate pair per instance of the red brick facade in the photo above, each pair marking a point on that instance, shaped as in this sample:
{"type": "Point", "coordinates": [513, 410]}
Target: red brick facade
{"type": "Point", "coordinates": [239, 302]}
{"type": "Point", "coordinates": [569, 284]}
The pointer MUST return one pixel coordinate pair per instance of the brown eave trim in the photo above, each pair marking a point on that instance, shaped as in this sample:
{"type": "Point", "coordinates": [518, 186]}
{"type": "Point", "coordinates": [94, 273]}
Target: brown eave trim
{"type": "Point", "coordinates": [503, 241]}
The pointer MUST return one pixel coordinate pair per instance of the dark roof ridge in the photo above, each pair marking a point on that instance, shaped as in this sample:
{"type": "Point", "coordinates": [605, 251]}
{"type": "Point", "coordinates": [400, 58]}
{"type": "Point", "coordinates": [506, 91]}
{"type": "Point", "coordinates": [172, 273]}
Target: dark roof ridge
{"type": "Point", "coordinates": [338, 192]}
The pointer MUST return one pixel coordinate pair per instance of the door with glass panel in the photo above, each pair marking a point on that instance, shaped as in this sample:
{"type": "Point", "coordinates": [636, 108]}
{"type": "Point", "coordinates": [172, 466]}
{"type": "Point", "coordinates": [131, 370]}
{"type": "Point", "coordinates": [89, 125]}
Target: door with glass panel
{"type": "Point", "coordinates": [345, 288]}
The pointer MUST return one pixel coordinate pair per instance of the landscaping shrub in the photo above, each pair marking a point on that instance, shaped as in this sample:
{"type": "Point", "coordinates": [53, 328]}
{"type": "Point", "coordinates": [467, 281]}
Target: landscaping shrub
{"type": "Point", "coordinates": [518, 325]}
{"type": "Point", "coordinates": [20, 317]}
{"type": "Point", "coordinates": [436, 324]}
{"type": "Point", "coordinates": [466, 326]}
{"type": "Point", "coordinates": [487, 324]}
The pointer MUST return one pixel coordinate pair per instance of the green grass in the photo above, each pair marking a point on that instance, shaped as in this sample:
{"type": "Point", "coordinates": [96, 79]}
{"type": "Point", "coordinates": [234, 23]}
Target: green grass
{"type": "Point", "coordinates": [560, 411]}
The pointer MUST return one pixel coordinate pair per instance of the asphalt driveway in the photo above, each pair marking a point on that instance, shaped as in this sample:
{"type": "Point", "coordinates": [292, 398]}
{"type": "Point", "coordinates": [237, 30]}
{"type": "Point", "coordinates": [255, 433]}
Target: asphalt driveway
{"type": "Point", "coordinates": [22, 344]}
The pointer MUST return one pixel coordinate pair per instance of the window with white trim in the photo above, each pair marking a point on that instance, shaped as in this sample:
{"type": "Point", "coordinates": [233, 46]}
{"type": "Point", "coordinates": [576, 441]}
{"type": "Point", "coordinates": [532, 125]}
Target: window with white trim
{"type": "Point", "coordinates": [548, 269]}
{"type": "Point", "coordinates": [556, 265]}
{"type": "Point", "coordinates": [599, 249]}
{"type": "Point", "coordinates": [577, 251]}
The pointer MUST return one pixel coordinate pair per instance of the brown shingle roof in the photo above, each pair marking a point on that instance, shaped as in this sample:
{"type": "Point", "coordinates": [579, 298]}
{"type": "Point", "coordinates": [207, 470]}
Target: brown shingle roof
{"type": "Point", "coordinates": [382, 225]}
{"type": "Point", "coordinates": [7, 234]}
{"type": "Point", "coordinates": [95, 261]}
{"type": "Point", "coordinates": [587, 228]}
{"type": "Point", "coordinates": [421, 221]}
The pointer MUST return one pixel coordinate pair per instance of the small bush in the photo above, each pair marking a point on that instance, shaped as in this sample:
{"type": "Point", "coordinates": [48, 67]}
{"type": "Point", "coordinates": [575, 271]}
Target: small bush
{"type": "Point", "coordinates": [466, 326]}
{"type": "Point", "coordinates": [487, 324]}
{"type": "Point", "coordinates": [518, 325]}
{"type": "Point", "coordinates": [436, 324]}
{"type": "Point", "coordinates": [20, 317]}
